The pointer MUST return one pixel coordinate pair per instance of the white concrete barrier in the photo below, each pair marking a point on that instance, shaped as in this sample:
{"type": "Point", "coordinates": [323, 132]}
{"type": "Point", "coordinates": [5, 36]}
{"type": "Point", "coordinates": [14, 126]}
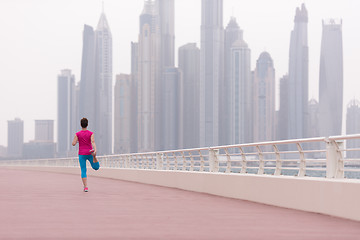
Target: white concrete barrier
{"type": "Point", "coordinates": [335, 197]}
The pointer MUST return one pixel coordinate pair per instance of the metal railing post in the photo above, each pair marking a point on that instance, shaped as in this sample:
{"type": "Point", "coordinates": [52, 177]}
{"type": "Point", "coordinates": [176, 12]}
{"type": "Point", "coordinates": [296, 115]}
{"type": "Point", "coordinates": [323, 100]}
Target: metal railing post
{"type": "Point", "coordinates": [127, 161]}
{"type": "Point", "coordinates": [213, 160]}
{"type": "Point", "coordinates": [159, 161]}
{"type": "Point", "coordinates": [278, 161]}
{"type": "Point", "coordinates": [334, 161]}
{"type": "Point", "coordinates": [261, 161]}
{"type": "Point", "coordinates": [228, 161]}
{"type": "Point", "coordinates": [302, 164]}
{"type": "Point", "coordinates": [184, 161]}
{"type": "Point", "coordinates": [201, 161]}
{"type": "Point", "coordinates": [191, 162]}
{"type": "Point", "coordinates": [243, 160]}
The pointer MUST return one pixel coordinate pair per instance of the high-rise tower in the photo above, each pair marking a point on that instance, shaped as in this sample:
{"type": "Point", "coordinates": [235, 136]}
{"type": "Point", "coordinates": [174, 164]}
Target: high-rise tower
{"type": "Point", "coordinates": [148, 78]}
{"type": "Point", "coordinates": [66, 115]}
{"type": "Point", "coordinates": [331, 79]}
{"type": "Point", "coordinates": [172, 111]}
{"type": "Point", "coordinates": [189, 65]}
{"type": "Point", "coordinates": [264, 99]}
{"type": "Point", "coordinates": [298, 76]}
{"type": "Point", "coordinates": [15, 138]}
{"type": "Point", "coordinates": [165, 25]}
{"type": "Point", "coordinates": [353, 127]}
{"type": "Point", "coordinates": [283, 116]}
{"type": "Point", "coordinates": [155, 57]}
{"type": "Point", "coordinates": [122, 114]}
{"type": "Point", "coordinates": [241, 87]}
{"type": "Point", "coordinates": [233, 33]}
{"type": "Point", "coordinates": [211, 70]}
{"type": "Point", "coordinates": [134, 96]}
{"type": "Point", "coordinates": [103, 53]}
{"type": "Point", "coordinates": [88, 105]}
{"type": "Point", "coordinates": [44, 131]}
{"type": "Point", "coordinates": [96, 81]}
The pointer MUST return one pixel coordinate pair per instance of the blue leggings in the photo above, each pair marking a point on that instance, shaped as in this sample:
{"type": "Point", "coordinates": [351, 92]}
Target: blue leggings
{"type": "Point", "coordinates": [82, 160]}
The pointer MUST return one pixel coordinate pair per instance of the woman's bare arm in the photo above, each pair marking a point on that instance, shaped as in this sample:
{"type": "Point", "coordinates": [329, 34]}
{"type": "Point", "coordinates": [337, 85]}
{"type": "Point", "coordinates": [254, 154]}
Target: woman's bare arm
{"type": "Point", "coordinates": [93, 143]}
{"type": "Point", "coordinates": [75, 140]}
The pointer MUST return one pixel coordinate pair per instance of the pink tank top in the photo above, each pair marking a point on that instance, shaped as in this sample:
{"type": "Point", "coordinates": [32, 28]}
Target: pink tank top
{"type": "Point", "coordinates": [84, 138]}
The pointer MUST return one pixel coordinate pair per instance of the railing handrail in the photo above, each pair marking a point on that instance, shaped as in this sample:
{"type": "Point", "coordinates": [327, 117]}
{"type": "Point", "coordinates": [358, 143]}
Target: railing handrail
{"type": "Point", "coordinates": [218, 158]}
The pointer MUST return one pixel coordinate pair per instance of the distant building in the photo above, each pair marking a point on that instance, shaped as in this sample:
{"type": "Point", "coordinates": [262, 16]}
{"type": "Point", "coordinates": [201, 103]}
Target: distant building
{"type": "Point", "coordinates": [39, 150]}
{"type": "Point", "coordinates": [189, 65]}
{"type": "Point", "coordinates": [88, 106]}
{"type": "Point", "coordinates": [15, 138]}
{"type": "Point", "coordinates": [233, 33]}
{"type": "Point", "coordinates": [122, 113]}
{"type": "Point", "coordinates": [241, 93]}
{"type": "Point", "coordinates": [96, 81]}
{"type": "Point", "coordinates": [353, 127]}
{"type": "Point", "coordinates": [44, 130]}
{"type": "Point", "coordinates": [298, 76]}
{"type": "Point", "coordinates": [134, 96]}
{"type": "Point", "coordinates": [211, 70]}
{"type": "Point", "coordinates": [283, 115]}
{"type": "Point", "coordinates": [313, 119]}
{"type": "Point", "coordinates": [148, 79]}
{"type": "Point", "coordinates": [264, 99]}
{"type": "Point", "coordinates": [172, 109]}
{"type": "Point", "coordinates": [331, 79]}
{"type": "Point", "coordinates": [313, 128]}
{"type": "Point", "coordinates": [66, 116]}
{"type": "Point", "coordinates": [165, 23]}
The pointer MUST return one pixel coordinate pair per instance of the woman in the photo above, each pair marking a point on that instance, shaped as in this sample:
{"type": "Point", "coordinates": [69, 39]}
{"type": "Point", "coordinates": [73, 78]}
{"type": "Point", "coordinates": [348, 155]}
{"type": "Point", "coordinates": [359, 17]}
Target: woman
{"type": "Point", "coordinates": [87, 150]}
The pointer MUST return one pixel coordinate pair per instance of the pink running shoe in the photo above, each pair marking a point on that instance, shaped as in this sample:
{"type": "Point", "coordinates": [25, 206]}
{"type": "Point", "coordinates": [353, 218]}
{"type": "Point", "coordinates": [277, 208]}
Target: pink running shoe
{"type": "Point", "coordinates": [86, 189]}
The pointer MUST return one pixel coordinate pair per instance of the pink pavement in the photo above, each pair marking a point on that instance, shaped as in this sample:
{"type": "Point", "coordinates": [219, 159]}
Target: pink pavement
{"type": "Point", "coordinates": [41, 205]}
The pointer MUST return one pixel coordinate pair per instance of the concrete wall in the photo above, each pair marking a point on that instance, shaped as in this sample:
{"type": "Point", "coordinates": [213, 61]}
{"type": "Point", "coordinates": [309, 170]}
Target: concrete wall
{"type": "Point", "coordinates": [334, 197]}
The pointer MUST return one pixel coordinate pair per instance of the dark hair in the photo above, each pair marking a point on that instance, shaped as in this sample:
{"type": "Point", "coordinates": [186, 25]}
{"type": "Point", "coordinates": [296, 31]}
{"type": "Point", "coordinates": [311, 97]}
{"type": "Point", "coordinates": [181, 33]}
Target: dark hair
{"type": "Point", "coordinates": [84, 122]}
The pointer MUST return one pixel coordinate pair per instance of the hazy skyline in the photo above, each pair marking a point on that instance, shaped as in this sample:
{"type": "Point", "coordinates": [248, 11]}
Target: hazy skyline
{"type": "Point", "coordinates": [39, 38]}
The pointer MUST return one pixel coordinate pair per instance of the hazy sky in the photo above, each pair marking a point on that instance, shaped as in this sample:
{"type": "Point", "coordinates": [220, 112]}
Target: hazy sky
{"type": "Point", "coordinates": [41, 37]}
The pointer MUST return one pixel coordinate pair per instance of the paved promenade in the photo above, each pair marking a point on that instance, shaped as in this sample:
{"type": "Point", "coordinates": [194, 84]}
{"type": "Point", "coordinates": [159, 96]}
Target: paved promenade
{"type": "Point", "coordinates": [41, 205]}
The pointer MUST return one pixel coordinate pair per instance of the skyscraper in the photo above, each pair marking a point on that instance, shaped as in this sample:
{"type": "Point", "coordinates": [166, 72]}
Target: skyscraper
{"type": "Point", "coordinates": [233, 33]}
{"type": "Point", "coordinates": [264, 99]}
{"type": "Point", "coordinates": [313, 119]}
{"type": "Point", "coordinates": [103, 66]}
{"type": "Point", "coordinates": [122, 113]}
{"type": "Point", "coordinates": [15, 138]}
{"type": "Point", "coordinates": [44, 130]}
{"type": "Point", "coordinates": [134, 96]}
{"type": "Point", "coordinates": [283, 116]}
{"type": "Point", "coordinates": [148, 75]}
{"type": "Point", "coordinates": [353, 127]}
{"type": "Point", "coordinates": [156, 53]}
{"type": "Point", "coordinates": [43, 146]}
{"type": "Point", "coordinates": [211, 70]}
{"type": "Point", "coordinates": [298, 76]}
{"type": "Point", "coordinates": [88, 87]}
{"type": "Point", "coordinates": [165, 23]}
{"type": "Point", "coordinates": [313, 128]}
{"type": "Point", "coordinates": [189, 65]}
{"type": "Point", "coordinates": [331, 79]}
{"type": "Point", "coordinates": [172, 127]}
{"type": "Point", "coordinates": [96, 81]}
{"type": "Point", "coordinates": [166, 12]}
{"type": "Point", "coordinates": [241, 85]}
{"type": "Point", "coordinates": [66, 115]}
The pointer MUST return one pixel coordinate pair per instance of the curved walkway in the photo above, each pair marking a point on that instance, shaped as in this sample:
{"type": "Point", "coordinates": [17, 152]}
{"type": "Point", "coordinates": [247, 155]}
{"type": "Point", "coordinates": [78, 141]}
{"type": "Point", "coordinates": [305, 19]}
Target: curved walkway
{"type": "Point", "coordinates": [41, 205]}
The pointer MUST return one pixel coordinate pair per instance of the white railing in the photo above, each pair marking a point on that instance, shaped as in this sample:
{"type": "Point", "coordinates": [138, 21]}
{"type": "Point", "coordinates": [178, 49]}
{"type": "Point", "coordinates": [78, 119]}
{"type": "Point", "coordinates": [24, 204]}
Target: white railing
{"type": "Point", "coordinates": [316, 157]}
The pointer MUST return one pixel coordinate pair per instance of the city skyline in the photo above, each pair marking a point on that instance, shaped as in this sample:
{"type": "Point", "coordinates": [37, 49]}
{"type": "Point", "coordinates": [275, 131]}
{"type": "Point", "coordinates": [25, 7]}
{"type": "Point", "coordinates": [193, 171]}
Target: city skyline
{"type": "Point", "coordinates": [46, 103]}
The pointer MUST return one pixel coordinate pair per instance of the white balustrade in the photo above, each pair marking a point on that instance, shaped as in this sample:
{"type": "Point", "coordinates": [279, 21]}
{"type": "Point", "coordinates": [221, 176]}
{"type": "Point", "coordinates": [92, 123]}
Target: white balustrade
{"type": "Point", "coordinates": [320, 157]}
